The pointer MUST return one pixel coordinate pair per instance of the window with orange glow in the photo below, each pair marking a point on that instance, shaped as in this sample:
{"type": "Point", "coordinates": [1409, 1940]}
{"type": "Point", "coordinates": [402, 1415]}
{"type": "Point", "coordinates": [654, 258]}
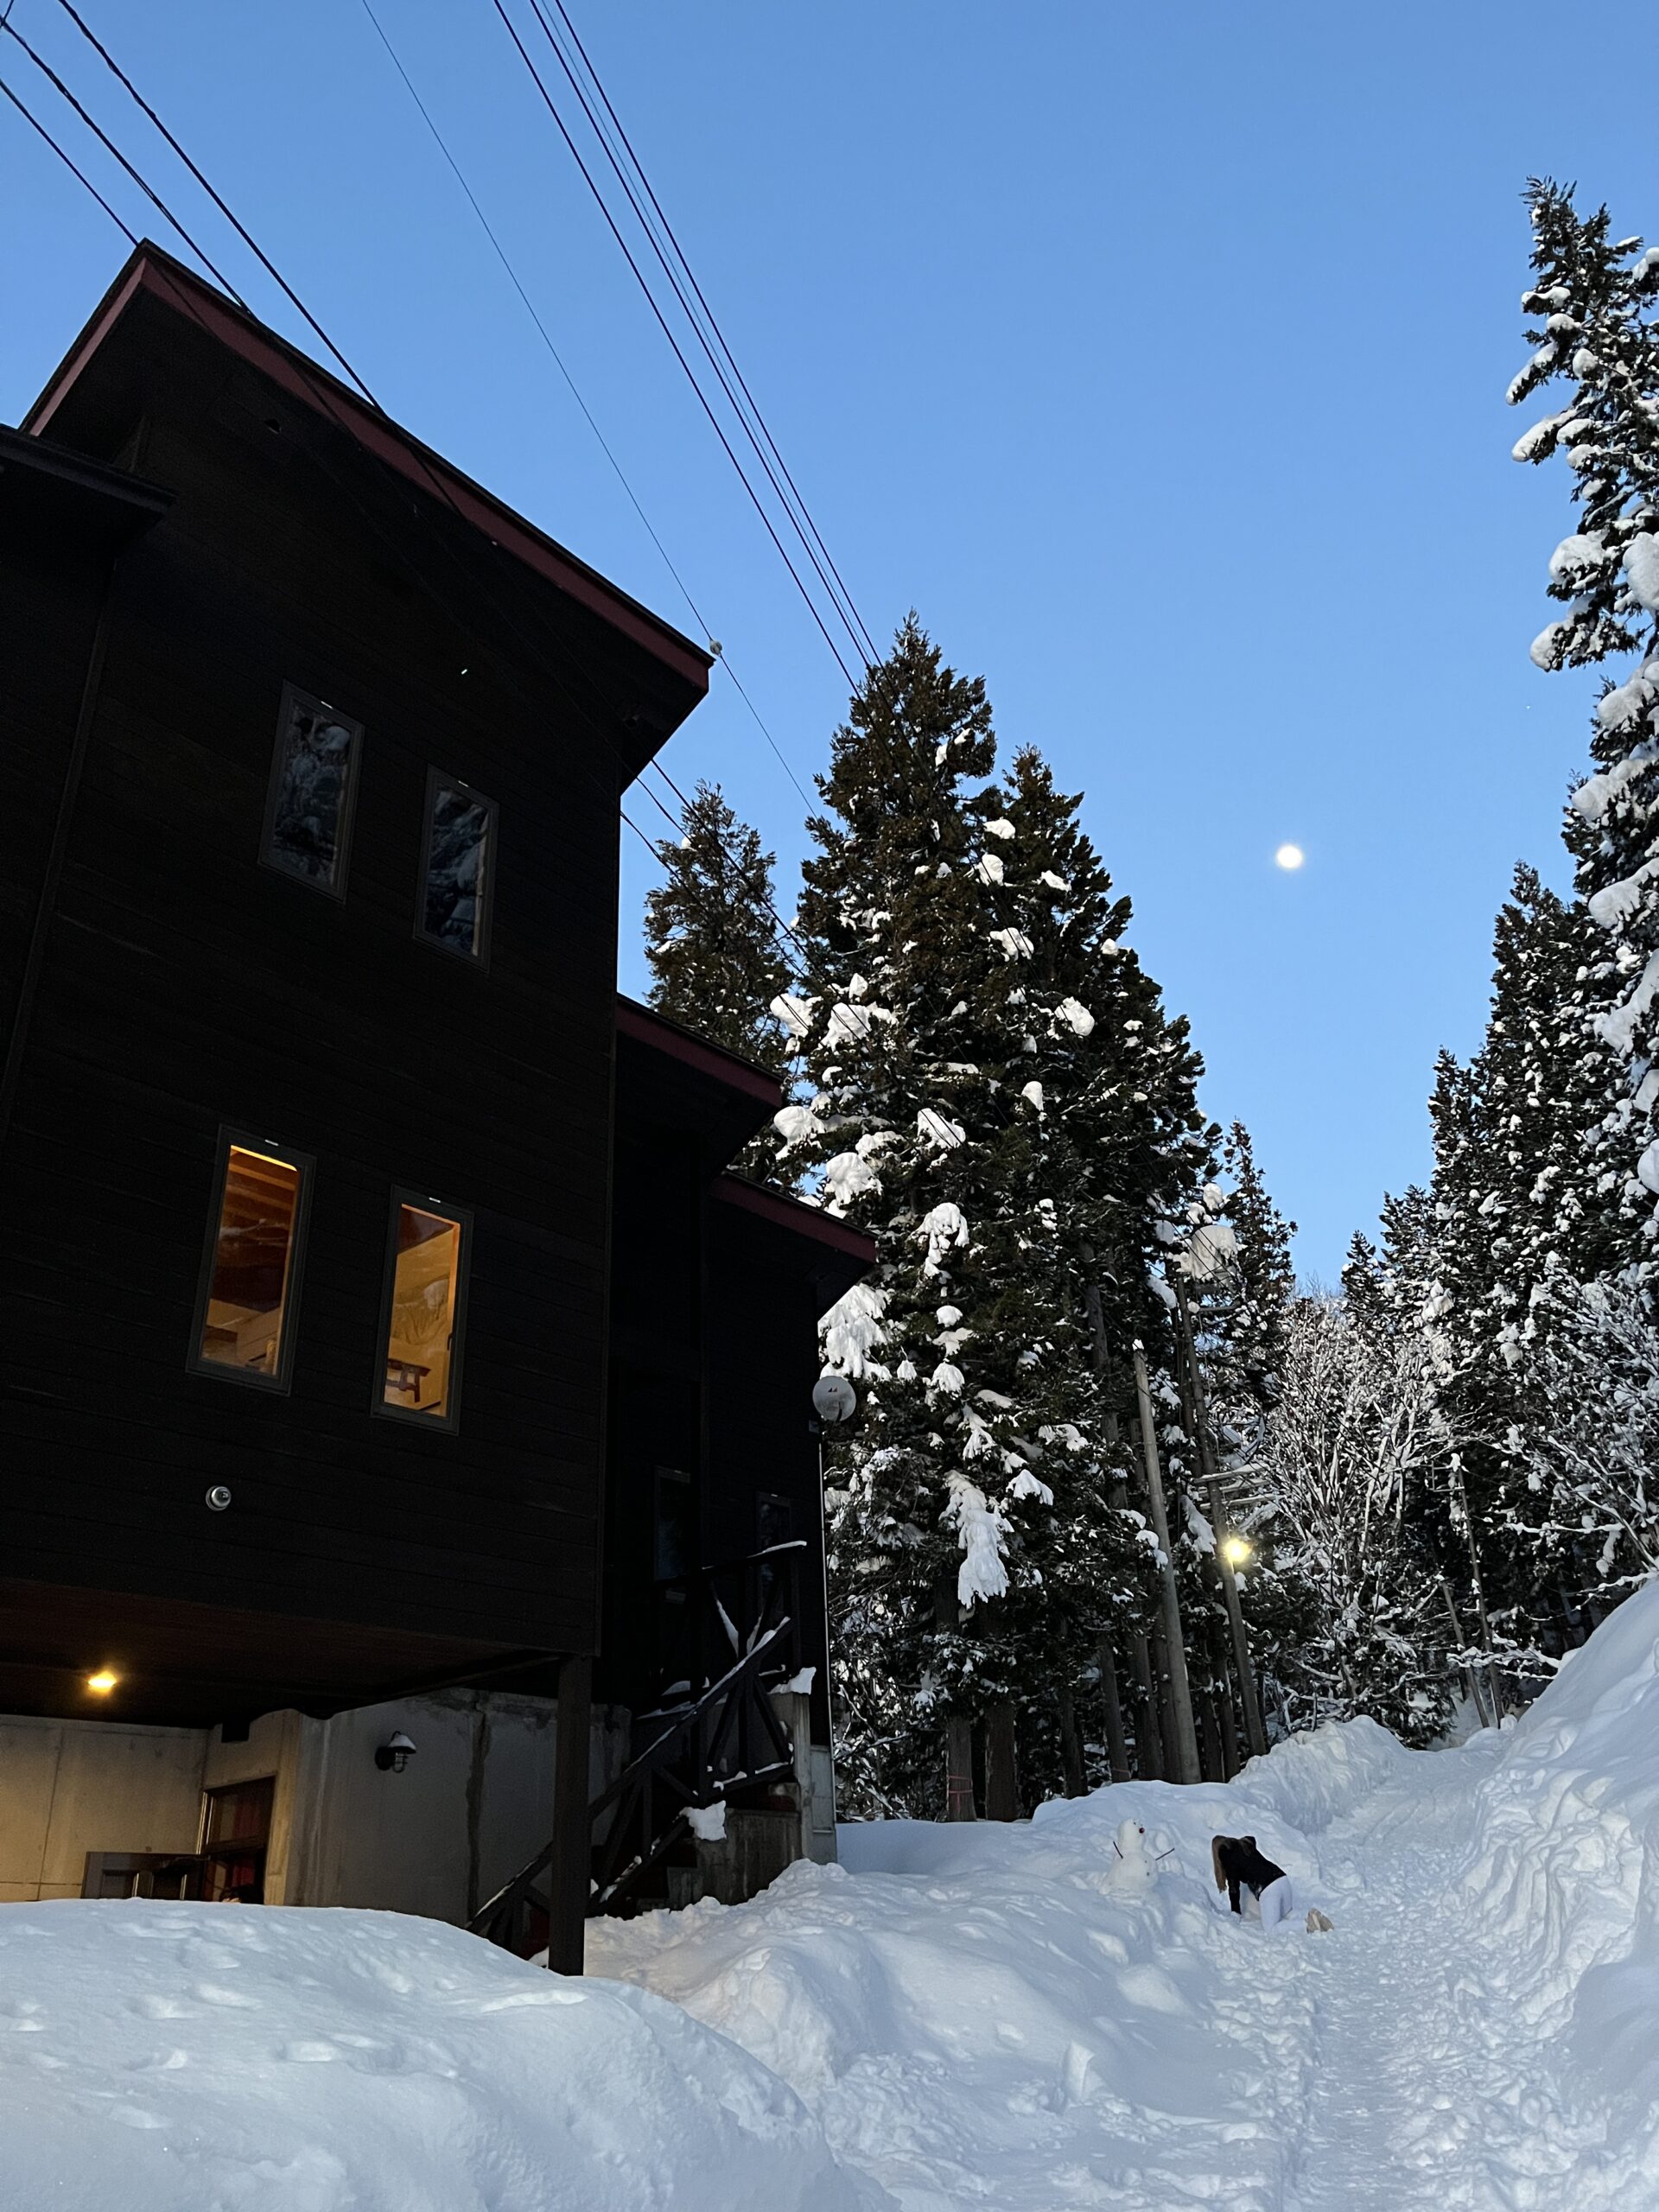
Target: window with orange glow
{"type": "Point", "coordinates": [244, 1317]}
{"type": "Point", "coordinates": [421, 1330]}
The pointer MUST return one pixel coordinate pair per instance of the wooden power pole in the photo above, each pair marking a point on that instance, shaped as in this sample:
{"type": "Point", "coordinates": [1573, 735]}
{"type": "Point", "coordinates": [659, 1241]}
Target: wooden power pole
{"type": "Point", "coordinates": [1184, 1751]}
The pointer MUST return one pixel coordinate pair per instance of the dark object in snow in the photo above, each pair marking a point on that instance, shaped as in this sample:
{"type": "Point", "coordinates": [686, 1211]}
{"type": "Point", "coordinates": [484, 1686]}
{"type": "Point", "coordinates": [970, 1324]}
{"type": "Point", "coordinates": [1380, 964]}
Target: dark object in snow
{"type": "Point", "coordinates": [1235, 1859]}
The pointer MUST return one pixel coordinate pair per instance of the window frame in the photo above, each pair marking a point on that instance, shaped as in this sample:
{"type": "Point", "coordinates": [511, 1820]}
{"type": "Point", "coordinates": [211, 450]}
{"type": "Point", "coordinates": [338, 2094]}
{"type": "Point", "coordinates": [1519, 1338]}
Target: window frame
{"type": "Point", "coordinates": [336, 890]}
{"type": "Point", "coordinates": [441, 779]}
{"type": "Point", "coordinates": [241, 1139]}
{"type": "Point", "coordinates": [423, 1202]}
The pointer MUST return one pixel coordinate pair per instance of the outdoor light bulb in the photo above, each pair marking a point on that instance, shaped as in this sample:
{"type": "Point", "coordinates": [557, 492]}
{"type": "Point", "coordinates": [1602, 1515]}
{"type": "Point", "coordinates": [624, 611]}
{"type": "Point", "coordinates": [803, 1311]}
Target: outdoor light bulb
{"type": "Point", "coordinates": [102, 1682]}
{"type": "Point", "coordinates": [1289, 857]}
{"type": "Point", "coordinates": [1236, 1550]}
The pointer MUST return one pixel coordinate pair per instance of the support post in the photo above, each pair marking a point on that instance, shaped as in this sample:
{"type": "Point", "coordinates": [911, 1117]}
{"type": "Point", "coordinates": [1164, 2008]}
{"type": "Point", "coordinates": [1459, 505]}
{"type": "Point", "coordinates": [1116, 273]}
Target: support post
{"type": "Point", "coordinates": [570, 1875]}
{"type": "Point", "coordinates": [1185, 1748]}
{"type": "Point", "coordinates": [1255, 1734]}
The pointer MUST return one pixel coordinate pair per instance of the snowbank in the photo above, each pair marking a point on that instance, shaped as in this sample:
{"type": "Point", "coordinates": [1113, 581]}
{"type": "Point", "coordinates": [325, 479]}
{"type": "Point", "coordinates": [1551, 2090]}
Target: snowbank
{"type": "Point", "coordinates": [204, 2058]}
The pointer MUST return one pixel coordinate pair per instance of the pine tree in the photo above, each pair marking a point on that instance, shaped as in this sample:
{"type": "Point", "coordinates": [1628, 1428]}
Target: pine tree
{"type": "Point", "coordinates": [1596, 297]}
{"type": "Point", "coordinates": [712, 936]}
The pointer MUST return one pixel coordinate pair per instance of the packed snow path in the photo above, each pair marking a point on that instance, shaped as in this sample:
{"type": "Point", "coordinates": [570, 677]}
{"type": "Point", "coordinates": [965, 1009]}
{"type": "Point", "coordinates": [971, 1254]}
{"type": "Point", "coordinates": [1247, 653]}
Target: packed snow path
{"type": "Point", "coordinates": [1015, 2018]}
{"type": "Point", "coordinates": [1030, 2019]}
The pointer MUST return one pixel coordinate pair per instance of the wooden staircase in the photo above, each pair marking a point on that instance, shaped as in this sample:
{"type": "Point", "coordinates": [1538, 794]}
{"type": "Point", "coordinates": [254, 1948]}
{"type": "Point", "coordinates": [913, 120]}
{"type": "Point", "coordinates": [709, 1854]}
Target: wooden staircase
{"type": "Point", "coordinates": [715, 1737]}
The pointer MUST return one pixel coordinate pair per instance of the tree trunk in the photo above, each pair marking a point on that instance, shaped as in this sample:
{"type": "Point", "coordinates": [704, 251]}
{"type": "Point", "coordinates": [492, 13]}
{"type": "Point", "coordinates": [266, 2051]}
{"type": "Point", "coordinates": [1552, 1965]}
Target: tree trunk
{"type": "Point", "coordinates": [1002, 1780]}
{"type": "Point", "coordinates": [959, 1768]}
{"type": "Point", "coordinates": [1210, 1740]}
{"type": "Point", "coordinates": [1076, 1782]}
{"type": "Point", "coordinates": [1148, 1732]}
{"type": "Point", "coordinates": [1183, 1742]}
{"type": "Point", "coordinates": [1230, 1758]}
{"type": "Point", "coordinates": [1118, 1751]}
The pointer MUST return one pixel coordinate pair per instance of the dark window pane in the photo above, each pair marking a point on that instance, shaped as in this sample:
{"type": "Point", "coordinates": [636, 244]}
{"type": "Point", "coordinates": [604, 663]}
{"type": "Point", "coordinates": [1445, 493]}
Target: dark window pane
{"type": "Point", "coordinates": [252, 1265]}
{"type": "Point", "coordinates": [313, 786]}
{"type": "Point", "coordinates": [454, 898]}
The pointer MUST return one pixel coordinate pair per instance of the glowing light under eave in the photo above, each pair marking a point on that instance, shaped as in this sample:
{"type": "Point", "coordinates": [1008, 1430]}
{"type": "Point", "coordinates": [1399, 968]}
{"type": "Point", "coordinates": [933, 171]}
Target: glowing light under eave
{"type": "Point", "coordinates": [104, 1682]}
{"type": "Point", "coordinates": [1290, 856]}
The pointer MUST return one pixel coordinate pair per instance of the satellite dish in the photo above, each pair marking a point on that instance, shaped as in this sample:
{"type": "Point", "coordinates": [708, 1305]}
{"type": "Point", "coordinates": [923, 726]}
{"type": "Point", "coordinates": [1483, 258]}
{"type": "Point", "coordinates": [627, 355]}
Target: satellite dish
{"type": "Point", "coordinates": [834, 1398]}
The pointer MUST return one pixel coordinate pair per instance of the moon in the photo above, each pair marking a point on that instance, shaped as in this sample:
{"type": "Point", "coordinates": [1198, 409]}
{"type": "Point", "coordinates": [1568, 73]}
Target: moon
{"type": "Point", "coordinates": [1290, 856]}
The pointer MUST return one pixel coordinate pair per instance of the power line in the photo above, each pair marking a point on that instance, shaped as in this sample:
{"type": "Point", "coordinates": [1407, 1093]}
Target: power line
{"type": "Point", "coordinates": [246, 235]}
{"type": "Point", "coordinates": [679, 355]}
{"type": "Point", "coordinates": [708, 313]}
{"type": "Point", "coordinates": [559, 362]}
{"type": "Point", "coordinates": [849, 622]}
{"type": "Point", "coordinates": [35, 123]}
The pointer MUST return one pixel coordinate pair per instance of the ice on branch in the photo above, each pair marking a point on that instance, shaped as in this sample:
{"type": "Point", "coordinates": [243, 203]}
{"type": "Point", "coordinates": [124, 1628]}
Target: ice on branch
{"type": "Point", "coordinates": [1013, 944]}
{"type": "Point", "coordinates": [1001, 828]}
{"type": "Point", "coordinates": [1642, 570]}
{"type": "Point", "coordinates": [795, 1014]}
{"type": "Point", "coordinates": [1033, 1095]}
{"type": "Point", "coordinates": [1077, 1016]}
{"type": "Point", "coordinates": [795, 1124]}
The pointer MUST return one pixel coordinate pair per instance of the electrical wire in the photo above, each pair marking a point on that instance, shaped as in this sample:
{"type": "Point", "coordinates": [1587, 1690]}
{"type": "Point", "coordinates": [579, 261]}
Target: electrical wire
{"type": "Point", "coordinates": [679, 354]}
{"type": "Point", "coordinates": [679, 253]}
{"type": "Point", "coordinates": [559, 362]}
{"type": "Point", "coordinates": [246, 235]}
{"type": "Point", "coordinates": [849, 622]}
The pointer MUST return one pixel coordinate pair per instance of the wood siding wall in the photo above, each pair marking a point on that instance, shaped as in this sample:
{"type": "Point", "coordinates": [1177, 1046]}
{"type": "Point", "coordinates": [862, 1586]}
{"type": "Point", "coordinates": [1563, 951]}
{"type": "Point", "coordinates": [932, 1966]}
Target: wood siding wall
{"type": "Point", "coordinates": [186, 987]}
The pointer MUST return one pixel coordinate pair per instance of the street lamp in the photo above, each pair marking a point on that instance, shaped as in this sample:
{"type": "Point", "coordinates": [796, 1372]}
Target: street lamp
{"type": "Point", "coordinates": [1237, 1552]}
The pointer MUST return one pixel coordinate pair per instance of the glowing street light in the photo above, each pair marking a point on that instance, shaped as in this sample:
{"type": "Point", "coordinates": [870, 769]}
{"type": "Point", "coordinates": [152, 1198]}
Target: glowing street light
{"type": "Point", "coordinates": [102, 1682]}
{"type": "Point", "coordinates": [1235, 1551]}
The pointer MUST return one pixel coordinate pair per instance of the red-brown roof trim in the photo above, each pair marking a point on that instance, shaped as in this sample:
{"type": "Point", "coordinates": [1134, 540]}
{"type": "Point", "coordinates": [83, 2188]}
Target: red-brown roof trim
{"type": "Point", "coordinates": [796, 1217]}
{"type": "Point", "coordinates": [659, 1034]}
{"type": "Point", "coordinates": [150, 270]}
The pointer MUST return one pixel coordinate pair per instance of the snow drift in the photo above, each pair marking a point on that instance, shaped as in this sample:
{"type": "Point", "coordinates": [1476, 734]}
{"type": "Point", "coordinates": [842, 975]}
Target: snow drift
{"type": "Point", "coordinates": [199, 2058]}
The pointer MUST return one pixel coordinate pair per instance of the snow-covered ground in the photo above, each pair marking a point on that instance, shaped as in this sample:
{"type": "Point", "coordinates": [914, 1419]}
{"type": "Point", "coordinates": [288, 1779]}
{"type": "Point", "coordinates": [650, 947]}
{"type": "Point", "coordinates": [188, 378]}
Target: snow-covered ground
{"type": "Point", "coordinates": [988, 2018]}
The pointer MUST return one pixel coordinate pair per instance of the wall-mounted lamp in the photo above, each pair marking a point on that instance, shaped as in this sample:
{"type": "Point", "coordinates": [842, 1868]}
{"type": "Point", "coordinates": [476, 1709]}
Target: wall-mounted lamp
{"type": "Point", "coordinates": [102, 1682]}
{"type": "Point", "coordinates": [395, 1754]}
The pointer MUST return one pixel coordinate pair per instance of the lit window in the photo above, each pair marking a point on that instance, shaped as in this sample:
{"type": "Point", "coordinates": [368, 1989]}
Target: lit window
{"type": "Point", "coordinates": [251, 1272]}
{"type": "Point", "coordinates": [421, 1327]}
{"type": "Point", "coordinates": [457, 869]}
{"type": "Point", "coordinates": [313, 788]}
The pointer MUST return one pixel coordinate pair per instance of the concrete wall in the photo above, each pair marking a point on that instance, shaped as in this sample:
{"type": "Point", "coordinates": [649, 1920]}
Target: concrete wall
{"type": "Point", "coordinates": [474, 1802]}
{"type": "Point", "coordinates": [68, 1786]}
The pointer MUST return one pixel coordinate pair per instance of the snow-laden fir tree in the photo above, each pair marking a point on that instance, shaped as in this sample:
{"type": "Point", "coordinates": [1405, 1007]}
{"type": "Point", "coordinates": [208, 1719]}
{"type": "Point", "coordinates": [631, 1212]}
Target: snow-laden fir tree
{"type": "Point", "coordinates": [1593, 303]}
{"type": "Point", "coordinates": [713, 942]}
{"type": "Point", "coordinates": [989, 1072]}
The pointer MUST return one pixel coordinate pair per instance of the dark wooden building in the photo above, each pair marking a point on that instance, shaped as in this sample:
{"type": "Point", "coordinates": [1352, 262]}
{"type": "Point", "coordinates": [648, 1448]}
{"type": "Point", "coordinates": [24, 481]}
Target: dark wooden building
{"type": "Point", "coordinates": [380, 1323]}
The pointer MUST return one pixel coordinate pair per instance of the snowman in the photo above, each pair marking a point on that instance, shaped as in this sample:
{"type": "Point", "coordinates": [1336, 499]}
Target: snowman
{"type": "Point", "coordinates": [1133, 1869]}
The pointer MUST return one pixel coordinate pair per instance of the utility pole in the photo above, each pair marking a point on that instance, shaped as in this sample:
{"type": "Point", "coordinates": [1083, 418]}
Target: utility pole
{"type": "Point", "coordinates": [1184, 1751]}
{"type": "Point", "coordinates": [1254, 1730]}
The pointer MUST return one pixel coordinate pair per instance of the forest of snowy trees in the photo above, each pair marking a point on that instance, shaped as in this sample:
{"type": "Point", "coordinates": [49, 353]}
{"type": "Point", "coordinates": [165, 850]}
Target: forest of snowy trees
{"type": "Point", "coordinates": [1119, 1497]}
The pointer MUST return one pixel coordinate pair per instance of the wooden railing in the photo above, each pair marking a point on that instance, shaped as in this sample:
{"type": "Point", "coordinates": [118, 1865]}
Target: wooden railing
{"type": "Point", "coordinates": [719, 1735]}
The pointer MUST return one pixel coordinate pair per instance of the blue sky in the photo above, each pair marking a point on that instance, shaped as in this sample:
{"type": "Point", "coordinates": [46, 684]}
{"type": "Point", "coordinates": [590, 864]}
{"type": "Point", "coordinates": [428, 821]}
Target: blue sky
{"type": "Point", "coordinates": [1156, 356]}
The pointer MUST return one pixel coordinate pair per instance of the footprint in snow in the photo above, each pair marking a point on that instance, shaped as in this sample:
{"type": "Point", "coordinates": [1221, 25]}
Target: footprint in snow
{"type": "Point", "coordinates": [163, 2008]}
{"type": "Point", "coordinates": [136, 2116]}
{"type": "Point", "coordinates": [211, 1994]}
{"type": "Point", "coordinates": [308, 2054]}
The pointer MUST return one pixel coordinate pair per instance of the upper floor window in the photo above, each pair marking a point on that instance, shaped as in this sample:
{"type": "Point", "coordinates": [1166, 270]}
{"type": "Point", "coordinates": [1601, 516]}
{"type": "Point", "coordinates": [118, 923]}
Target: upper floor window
{"type": "Point", "coordinates": [421, 1315]}
{"type": "Point", "coordinates": [249, 1277]}
{"type": "Point", "coordinates": [457, 869]}
{"type": "Point", "coordinates": [313, 790]}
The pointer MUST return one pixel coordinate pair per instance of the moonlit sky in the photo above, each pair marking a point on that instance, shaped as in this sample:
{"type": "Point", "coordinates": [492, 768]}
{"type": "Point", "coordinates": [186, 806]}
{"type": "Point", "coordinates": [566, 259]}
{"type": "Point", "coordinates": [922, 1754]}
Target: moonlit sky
{"type": "Point", "coordinates": [1156, 356]}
